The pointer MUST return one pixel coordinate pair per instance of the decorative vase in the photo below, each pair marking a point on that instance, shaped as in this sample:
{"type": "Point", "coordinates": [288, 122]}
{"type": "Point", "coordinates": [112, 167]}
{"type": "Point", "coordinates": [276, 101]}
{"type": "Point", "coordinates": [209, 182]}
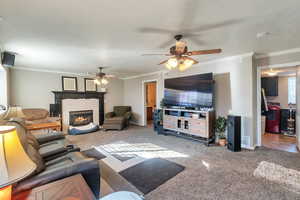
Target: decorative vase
{"type": "Point", "coordinates": [222, 142]}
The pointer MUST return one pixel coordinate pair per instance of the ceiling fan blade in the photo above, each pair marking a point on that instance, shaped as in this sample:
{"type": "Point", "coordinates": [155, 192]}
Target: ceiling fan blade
{"type": "Point", "coordinates": [155, 54]}
{"type": "Point", "coordinates": [196, 40]}
{"type": "Point", "coordinates": [203, 52]}
{"type": "Point", "coordinates": [208, 27]}
{"type": "Point", "coordinates": [163, 62]}
{"type": "Point", "coordinates": [155, 30]}
{"type": "Point", "coordinates": [167, 43]}
{"type": "Point", "coordinates": [195, 61]}
{"type": "Point", "coordinates": [110, 76]}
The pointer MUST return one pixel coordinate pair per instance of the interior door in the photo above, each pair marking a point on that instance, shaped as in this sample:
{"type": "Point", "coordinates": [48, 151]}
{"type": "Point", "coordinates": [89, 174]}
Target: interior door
{"type": "Point", "coordinates": [150, 99]}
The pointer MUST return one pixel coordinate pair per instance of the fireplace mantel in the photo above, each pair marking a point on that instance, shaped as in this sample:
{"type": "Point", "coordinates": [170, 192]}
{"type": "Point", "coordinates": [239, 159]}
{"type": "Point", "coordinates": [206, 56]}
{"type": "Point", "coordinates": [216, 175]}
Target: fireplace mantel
{"type": "Point", "coordinates": [60, 95]}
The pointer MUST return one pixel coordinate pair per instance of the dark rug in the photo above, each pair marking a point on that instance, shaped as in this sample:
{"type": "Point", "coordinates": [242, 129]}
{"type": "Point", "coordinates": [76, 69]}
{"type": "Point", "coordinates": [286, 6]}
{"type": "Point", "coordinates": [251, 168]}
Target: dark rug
{"type": "Point", "coordinates": [152, 173]}
{"type": "Point", "coordinates": [124, 158]}
{"type": "Point", "coordinates": [93, 153]}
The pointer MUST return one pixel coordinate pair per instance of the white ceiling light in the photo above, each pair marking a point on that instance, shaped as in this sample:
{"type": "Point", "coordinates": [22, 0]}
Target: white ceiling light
{"type": "Point", "coordinates": [182, 63]}
{"type": "Point", "coordinates": [271, 72]}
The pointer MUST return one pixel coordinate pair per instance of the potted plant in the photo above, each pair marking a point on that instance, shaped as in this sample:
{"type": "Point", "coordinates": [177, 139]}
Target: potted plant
{"type": "Point", "coordinates": [220, 128]}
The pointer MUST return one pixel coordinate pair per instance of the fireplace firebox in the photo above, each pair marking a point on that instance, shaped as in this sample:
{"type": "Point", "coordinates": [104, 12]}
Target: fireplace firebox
{"type": "Point", "coordinates": [81, 117]}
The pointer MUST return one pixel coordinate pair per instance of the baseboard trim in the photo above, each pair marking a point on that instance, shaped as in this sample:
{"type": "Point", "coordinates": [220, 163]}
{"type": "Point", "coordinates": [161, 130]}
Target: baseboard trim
{"type": "Point", "coordinates": [248, 147]}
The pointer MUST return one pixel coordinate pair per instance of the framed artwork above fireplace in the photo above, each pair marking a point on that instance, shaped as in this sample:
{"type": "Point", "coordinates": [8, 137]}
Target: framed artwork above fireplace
{"type": "Point", "coordinates": [69, 83]}
{"type": "Point", "coordinates": [89, 85]}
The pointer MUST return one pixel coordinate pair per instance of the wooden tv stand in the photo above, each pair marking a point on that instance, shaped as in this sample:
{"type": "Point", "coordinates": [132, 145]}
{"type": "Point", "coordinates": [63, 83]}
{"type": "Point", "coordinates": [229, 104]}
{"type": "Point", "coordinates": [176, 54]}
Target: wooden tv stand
{"type": "Point", "coordinates": [189, 124]}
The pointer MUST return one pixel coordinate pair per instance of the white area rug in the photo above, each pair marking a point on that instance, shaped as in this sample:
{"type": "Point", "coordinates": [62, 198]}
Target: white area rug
{"type": "Point", "coordinates": [138, 151]}
{"type": "Point", "coordinates": [289, 178]}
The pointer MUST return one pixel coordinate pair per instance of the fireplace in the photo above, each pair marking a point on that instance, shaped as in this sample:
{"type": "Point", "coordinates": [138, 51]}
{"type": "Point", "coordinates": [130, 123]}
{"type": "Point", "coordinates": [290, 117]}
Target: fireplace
{"type": "Point", "coordinates": [80, 118]}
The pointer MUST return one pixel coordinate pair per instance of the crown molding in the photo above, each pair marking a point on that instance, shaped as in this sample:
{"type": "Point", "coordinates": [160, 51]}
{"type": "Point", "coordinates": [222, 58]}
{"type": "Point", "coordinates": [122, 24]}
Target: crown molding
{"type": "Point", "coordinates": [250, 54]}
{"type": "Point", "coordinates": [136, 76]}
{"type": "Point", "coordinates": [240, 56]}
{"type": "Point", "coordinates": [143, 75]}
{"type": "Point", "coordinates": [278, 53]}
{"type": "Point", "coordinates": [46, 71]}
{"type": "Point", "coordinates": [291, 64]}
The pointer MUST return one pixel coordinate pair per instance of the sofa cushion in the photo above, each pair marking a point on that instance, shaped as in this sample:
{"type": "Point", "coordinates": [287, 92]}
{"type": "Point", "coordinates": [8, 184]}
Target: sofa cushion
{"type": "Point", "coordinates": [53, 147]}
{"type": "Point", "coordinates": [36, 158]}
{"type": "Point", "coordinates": [35, 114]}
{"type": "Point", "coordinates": [121, 110]}
{"type": "Point", "coordinates": [114, 120]}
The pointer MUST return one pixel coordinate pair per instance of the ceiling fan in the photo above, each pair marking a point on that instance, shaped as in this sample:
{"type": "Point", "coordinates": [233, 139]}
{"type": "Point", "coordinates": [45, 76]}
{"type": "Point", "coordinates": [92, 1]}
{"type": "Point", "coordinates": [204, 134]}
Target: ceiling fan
{"type": "Point", "coordinates": [271, 72]}
{"type": "Point", "coordinates": [101, 78]}
{"type": "Point", "coordinates": [180, 56]}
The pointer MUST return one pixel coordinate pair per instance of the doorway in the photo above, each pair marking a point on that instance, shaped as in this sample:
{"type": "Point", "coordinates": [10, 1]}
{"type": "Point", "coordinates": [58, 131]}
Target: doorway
{"type": "Point", "coordinates": [150, 101]}
{"type": "Point", "coordinates": [278, 108]}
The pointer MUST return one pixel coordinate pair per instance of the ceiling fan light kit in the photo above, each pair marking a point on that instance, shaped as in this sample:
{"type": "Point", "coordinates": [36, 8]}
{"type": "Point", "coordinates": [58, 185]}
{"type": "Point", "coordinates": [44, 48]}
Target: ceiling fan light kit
{"type": "Point", "coordinates": [181, 53]}
{"type": "Point", "coordinates": [183, 63]}
{"type": "Point", "coordinates": [102, 78]}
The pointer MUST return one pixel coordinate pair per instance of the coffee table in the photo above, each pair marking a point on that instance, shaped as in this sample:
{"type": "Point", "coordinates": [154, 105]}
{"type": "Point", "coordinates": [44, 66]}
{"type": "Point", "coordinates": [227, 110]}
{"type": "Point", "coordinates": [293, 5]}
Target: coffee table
{"type": "Point", "coordinates": [47, 125]}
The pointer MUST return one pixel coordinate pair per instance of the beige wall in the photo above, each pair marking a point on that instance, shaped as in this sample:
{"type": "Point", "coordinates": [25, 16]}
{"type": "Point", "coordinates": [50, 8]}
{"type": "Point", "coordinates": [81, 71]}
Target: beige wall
{"type": "Point", "coordinates": [242, 92]}
{"type": "Point", "coordinates": [133, 95]}
{"type": "Point", "coordinates": [222, 94]}
{"type": "Point", "coordinates": [282, 97]}
{"type": "Point", "coordinates": [33, 89]}
{"type": "Point", "coordinates": [4, 85]}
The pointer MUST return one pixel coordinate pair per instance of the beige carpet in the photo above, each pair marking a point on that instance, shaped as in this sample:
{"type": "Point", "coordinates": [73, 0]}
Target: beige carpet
{"type": "Point", "coordinates": [211, 172]}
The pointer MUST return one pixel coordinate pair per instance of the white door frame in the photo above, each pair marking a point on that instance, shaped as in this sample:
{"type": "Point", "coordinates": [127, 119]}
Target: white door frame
{"type": "Point", "coordinates": [258, 90]}
{"type": "Point", "coordinates": [144, 117]}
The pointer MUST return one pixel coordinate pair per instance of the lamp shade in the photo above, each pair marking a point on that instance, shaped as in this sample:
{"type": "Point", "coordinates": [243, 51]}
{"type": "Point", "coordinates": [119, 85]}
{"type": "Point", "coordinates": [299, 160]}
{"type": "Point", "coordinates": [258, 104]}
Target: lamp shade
{"type": "Point", "coordinates": [15, 165]}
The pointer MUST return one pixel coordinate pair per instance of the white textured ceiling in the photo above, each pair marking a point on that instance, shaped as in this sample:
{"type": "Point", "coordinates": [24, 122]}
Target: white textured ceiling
{"type": "Point", "coordinates": [78, 36]}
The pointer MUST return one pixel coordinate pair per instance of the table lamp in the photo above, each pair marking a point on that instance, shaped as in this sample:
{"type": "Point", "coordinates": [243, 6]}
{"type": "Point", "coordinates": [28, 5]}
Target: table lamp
{"type": "Point", "coordinates": [15, 164]}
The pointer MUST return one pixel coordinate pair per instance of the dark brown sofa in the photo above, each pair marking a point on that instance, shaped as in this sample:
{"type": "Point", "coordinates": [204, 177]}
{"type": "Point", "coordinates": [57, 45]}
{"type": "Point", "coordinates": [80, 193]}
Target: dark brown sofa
{"type": "Point", "coordinates": [55, 164]}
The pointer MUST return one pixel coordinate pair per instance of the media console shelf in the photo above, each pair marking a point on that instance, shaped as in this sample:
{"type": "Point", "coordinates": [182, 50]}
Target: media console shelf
{"type": "Point", "coordinates": [190, 124]}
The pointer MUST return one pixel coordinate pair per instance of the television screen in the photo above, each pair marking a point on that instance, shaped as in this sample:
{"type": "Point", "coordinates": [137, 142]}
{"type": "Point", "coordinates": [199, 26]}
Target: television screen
{"type": "Point", "coordinates": [190, 91]}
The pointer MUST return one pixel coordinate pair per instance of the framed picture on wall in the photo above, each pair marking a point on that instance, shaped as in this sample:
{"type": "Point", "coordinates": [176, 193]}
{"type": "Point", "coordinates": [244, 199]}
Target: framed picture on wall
{"type": "Point", "coordinates": [69, 83]}
{"type": "Point", "coordinates": [89, 85]}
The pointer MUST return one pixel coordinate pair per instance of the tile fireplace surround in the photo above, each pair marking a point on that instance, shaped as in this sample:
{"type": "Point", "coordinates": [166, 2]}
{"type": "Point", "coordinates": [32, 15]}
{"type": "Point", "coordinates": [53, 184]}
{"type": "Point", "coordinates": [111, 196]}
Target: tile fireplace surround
{"type": "Point", "coordinates": [69, 105]}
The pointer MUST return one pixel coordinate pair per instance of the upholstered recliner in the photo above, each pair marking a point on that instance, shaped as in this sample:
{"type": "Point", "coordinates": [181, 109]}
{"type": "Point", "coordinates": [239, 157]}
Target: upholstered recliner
{"type": "Point", "coordinates": [54, 160]}
{"type": "Point", "coordinates": [48, 145]}
{"type": "Point", "coordinates": [118, 119]}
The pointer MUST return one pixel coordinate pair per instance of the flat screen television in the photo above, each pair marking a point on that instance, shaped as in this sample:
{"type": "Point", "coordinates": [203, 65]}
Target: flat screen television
{"type": "Point", "coordinates": [190, 92]}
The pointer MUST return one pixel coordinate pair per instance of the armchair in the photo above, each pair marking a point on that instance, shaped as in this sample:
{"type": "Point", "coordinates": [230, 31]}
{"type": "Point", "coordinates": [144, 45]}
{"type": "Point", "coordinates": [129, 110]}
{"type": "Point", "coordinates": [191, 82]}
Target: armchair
{"type": "Point", "coordinates": [118, 119]}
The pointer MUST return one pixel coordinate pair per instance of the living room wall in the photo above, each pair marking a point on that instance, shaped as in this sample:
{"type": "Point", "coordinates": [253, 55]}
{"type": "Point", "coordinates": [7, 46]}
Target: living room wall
{"type": "Point", "coordinates": [32, 89]}
{"type": "Point", "coordinates": [241, 72]}
{"type": "Point", "coordinates": [4, 85]}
